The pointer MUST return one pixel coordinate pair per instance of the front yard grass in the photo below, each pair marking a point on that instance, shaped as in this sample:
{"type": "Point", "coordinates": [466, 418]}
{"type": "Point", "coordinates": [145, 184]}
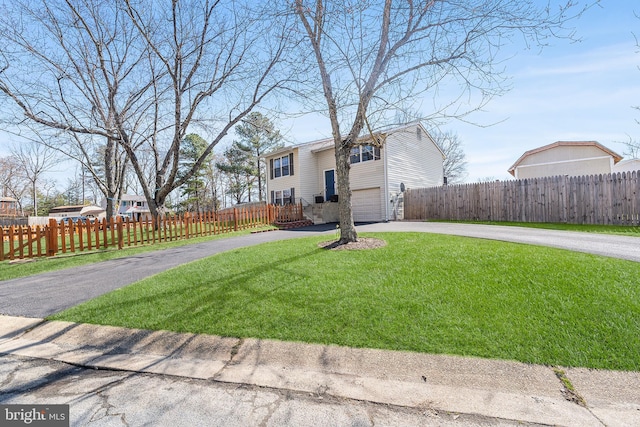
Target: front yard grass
{"type": "Point", "coordinates": [421, 292]}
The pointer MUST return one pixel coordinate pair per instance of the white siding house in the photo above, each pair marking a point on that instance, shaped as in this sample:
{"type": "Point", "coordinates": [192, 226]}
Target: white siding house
{"type": "Point", "coordinates": [131, 206]}
{"type": "Point", "coordinates": [629, 165]}
{"type": "Point", "coordinates": [305, 173]}
{"type": "Point", "coordinates": [573, 158]}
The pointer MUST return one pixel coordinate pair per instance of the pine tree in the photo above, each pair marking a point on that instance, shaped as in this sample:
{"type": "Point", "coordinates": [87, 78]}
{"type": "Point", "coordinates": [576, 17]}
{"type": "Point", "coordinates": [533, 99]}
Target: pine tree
{"type": "Point", "coordinates": [194, 188]}
{"type": "Point", "coordinates": [257, 136]}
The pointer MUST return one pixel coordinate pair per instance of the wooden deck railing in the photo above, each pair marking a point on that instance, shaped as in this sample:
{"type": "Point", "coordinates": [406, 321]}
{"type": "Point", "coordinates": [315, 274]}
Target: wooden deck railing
{"type": "Point", "coordinates": [58, 237]}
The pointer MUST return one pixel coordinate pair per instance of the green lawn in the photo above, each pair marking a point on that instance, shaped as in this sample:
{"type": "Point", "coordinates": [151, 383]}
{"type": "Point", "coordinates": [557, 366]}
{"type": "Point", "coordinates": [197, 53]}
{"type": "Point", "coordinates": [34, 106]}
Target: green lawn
{"type": "Point", "coordinates": [422, 292]}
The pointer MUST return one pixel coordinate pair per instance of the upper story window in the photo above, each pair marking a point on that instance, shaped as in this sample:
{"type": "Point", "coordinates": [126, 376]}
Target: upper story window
{"type": "Point", "coordinates": [364, 153]}
{"type": "Point", "coordinates": [281, 166]}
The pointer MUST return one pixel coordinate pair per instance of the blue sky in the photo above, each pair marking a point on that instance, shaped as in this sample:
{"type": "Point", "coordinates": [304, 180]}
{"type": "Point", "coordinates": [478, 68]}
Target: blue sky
{"type": "Point", "coordinates": [568, 91]}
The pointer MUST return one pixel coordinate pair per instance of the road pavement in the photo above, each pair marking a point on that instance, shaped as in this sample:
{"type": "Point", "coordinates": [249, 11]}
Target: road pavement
{"type": "Point", "coordinates": [118, 376]}
{"type": "Point", "coordinates": [120, 398]}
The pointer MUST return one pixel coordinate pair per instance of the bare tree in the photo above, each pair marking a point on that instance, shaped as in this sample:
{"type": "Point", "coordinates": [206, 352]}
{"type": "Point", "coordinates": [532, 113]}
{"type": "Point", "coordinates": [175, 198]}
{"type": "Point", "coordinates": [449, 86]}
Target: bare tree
{"type": "Point", "coordinates": [34, 160]}
{"type": "Point", "coordinates": [372, 57]}
{"type": "Point", "coordinates": [632, 148]}
{"type": "Point", "coordinates": [107, 76]}
{"type": "Point", "coordinates": [14, 182]}
{"type": "Point", "coordinates": [213, 63]}
{"type": "Point", "coordinates": [455, 166]}
{"type": "Point", "coordinates": [73, 69]}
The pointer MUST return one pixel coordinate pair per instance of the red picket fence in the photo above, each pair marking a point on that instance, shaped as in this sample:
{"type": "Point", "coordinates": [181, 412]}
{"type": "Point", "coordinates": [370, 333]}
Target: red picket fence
{"type": "Point", "coordinates": [61, 238]}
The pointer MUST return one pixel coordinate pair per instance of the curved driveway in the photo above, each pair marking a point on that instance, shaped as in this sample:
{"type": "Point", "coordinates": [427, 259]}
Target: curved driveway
{"type": "Point", "coordinates": [47, 293]}
{"type": "Point", "coordinates": [624, 247]}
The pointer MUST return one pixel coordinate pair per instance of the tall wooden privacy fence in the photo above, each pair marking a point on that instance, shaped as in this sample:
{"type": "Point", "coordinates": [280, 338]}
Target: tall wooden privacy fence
{"type": "Point", "coordinates": [60, 237]}
{"type": "Point", "coordinates": [595, 199]}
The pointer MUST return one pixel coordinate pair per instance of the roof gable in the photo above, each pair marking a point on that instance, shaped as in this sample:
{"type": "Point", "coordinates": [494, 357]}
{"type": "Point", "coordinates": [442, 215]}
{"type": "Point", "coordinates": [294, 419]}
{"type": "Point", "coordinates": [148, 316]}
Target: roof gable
{"type": "Point", "coordinates": [616, 157]}
{"type": "Point", "coordinates": [318, 145]}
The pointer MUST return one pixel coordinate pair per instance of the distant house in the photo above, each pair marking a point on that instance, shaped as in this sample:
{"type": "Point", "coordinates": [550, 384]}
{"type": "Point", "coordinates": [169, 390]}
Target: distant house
{"type": "Point", "coordinates": [132, 206]}
{"type": "Point", "coordinates": [404, 157]}
{"type": "Point", "coordinates": [8, 206]}
{"type": "Point", "coordinates": [77, 211]}
{"type": "Point", "coordinates": [573, 158]}
{"type": "Point", "coordinates": [630, 165]}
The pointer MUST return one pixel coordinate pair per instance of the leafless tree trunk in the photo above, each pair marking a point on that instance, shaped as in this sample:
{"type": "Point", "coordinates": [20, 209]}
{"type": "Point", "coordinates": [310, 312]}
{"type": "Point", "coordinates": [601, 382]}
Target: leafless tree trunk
{"type": "Point", "coordinates": [213, 63]}
{"type": "Point", "coordinates": [374, 58]}
{"type": "Point", "coordinates": [455, 166]}
{"type": "Point", "coordinates": [74, 70]}
{"type": "Point", "coordinates": [135, 76]}
{"type": "Point", "coordinates": [34, 160]}
{"type": "Point", "coordinates": [13, 181]}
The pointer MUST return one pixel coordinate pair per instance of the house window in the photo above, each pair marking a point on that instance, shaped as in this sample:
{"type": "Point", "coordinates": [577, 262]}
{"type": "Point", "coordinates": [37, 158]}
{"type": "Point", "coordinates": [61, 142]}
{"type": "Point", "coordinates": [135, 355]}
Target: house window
{"type": "Point", "coordinates": [283, 197]}
{"type": "Point", "coordinates": [139, 203]}
{"type": "Point", "coordinates": [286, 197]}
{"type": "Point", "coordinates": [277, 170]}
{"type": "Point", "coordinates": [355, 155]}
{"type": "Point", "coordinates": [282, 166]}
{"type": "Point", "coordinates": [367, 153]}
{"type": "Point", "coordinates": [364, 153]}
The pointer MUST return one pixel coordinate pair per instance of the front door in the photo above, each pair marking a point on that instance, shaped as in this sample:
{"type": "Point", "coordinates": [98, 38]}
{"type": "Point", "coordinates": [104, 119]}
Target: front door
{"type": "Point", "coordinates": [329, 184]}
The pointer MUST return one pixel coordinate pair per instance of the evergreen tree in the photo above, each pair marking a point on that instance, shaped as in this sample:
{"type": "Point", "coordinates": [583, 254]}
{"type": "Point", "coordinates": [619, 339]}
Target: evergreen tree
{"type": "Point", "coordinates": [193, 146]}
{"type": "Point", "coordinates": [239, 171]}
{"type": "Point", "coordinates": [257, 136]}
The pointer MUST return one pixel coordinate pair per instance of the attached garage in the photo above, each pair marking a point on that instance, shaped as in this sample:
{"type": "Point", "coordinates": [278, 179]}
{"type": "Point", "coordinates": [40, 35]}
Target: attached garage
{"type": "Point", "coordinates": [367, 205]}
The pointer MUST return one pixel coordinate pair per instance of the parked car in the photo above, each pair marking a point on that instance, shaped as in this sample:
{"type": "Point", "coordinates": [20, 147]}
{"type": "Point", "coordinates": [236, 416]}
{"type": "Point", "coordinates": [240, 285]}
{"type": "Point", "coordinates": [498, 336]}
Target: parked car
{"type": "Point", "coordinates": [75, 219]}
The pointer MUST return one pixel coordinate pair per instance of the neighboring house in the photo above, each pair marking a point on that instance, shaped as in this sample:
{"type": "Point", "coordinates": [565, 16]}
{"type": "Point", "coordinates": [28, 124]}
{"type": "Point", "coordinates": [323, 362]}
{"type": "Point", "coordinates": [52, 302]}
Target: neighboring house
{"type": "Point", "coordinates": [77, 211]}
{"type": "Point", "coordinates": [8, 206]}
{"type": "Point", "coordinates": [630, 165]}
{"type": "Point", "coordinates": [405, 157]}
{"type": "Point", "coordinates": [132, 206]}
{"type": "Point", "coordinates": [572, 158]}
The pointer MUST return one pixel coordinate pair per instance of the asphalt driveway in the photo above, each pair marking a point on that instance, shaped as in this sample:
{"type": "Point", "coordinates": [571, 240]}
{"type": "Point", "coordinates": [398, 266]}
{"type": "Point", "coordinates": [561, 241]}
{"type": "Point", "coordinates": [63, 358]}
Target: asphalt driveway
{"type": "Point", "coordinates": [44, 294]}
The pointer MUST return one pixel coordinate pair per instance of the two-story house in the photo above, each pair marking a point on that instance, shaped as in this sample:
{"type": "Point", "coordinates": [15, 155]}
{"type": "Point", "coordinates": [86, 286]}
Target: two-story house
{"type": "Point", "coordinates": [132, 206]}
{"type": "Point", "coordinates": [400, 158]}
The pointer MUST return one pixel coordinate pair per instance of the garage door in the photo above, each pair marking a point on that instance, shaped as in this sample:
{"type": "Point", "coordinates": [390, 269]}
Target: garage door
{"type": "Point", "coordinates": [366, 205]}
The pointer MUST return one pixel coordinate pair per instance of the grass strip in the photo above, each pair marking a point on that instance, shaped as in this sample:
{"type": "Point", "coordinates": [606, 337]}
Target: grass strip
{"type": "Point", "coordinates": [422, 292]}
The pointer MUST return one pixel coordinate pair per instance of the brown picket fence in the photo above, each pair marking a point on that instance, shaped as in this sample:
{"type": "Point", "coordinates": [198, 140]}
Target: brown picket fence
{"type": "Point", "coordinates": [19, 242]}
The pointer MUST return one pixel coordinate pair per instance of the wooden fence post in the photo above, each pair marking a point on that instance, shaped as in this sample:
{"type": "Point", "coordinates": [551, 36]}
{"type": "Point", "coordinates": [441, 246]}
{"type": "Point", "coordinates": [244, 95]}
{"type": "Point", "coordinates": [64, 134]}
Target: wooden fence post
{"type": "Point", "coordinates": [52, 237]}
{"type": "Point", "coordinates": [119, 227]}
{"type": "Point", "coordinates": [235, 219]}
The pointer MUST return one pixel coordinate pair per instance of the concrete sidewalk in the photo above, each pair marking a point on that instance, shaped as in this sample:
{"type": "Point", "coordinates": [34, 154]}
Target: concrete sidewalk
{"type": "Point", "coordinates": [501, 390]}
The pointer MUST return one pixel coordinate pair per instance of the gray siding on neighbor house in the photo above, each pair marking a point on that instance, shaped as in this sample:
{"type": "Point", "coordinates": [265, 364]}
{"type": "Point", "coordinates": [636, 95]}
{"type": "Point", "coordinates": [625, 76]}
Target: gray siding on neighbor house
{"type": "Point", "coordinates": [572, 160]}
{"type": "Point", "coordinates": [576, 167]}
